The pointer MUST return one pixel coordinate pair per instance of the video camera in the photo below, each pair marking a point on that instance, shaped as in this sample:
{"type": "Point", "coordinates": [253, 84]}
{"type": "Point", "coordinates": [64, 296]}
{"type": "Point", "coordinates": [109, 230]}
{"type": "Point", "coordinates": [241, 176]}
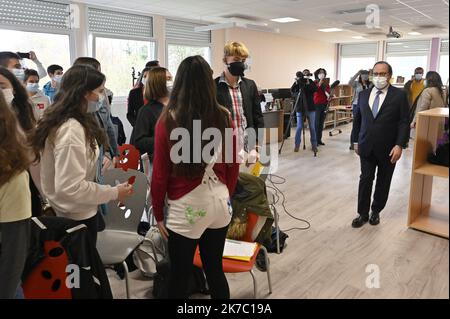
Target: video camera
{"type": "Point", "coordinates": [300, 79]}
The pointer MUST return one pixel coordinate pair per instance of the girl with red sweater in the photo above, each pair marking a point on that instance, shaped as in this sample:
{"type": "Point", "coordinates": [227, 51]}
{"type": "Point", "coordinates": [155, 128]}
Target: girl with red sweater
{"type": "Point", "coordinates": [198, 192]}
{"type": "Point", "coordinates": [321, 97]}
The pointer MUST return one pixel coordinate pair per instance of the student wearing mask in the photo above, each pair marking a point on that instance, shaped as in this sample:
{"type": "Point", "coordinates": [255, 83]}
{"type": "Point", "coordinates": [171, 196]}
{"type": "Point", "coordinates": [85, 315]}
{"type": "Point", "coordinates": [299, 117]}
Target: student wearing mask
{"type": "Point", "coordinates": [305, 107]}
{"type": "Point", "coordinates": [136, 98]}
{"type": "Point", "coordinates": [103, 114]}
{"type": "Point", "coordinates": [15, 202]}
{"type": "Point", "coordinates": [205, 187]}
{"type": "Point", "coordinates": [157, 94]}
{"type": "Point", "coordinates": [321, 97]}
{"type": "Point", "coordinates": [432, 96]}
{"type": "Point", "coordinates": [11, 61]}
{"type": "Point", "coordinates": [414, 87]}
{"type": "Point", "coordinates": [55, 72]}
{"type": "Point", "coordinates": [38, 99]}
{"type": "Point", "coordinates": [381, 129]}
{"type": "Point", "coordinates": [239, 94]}
{"type": "Point", "coordinates": [67, 142]}
{"type": "Point", "coordinates": [17, 98]}
{"type": "Point", "coordinates": [359, 82]}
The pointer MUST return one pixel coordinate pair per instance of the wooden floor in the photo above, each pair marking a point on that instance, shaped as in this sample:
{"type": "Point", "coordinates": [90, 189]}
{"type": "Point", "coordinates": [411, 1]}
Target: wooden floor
{"type": "Point", "coordinates": [330, 259]}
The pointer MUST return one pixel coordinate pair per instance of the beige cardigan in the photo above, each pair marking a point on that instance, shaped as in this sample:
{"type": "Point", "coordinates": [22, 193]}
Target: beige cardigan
{"type": "Point", "coordinates": [68, 170]}
{"type": "Point", "coordinates": [429, 99]}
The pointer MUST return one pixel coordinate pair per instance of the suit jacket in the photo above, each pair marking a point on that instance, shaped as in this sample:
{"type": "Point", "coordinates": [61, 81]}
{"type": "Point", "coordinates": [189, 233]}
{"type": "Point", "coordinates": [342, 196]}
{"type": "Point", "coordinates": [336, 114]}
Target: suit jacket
{"type": "Point", "coordinates": [389, 128]}
{"type": "Point", "coordinates": [250, 99]}
{"type": "Point", "coordinates": [135, 102]}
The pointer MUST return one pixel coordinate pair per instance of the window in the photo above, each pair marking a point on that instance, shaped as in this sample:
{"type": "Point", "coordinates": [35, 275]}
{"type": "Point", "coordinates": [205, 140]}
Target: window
{"type": "Point", "coordinates": [355, 57]}
{"type": "Point", "coordinates": [183, 41]}
{"type": "Point", "coordinates": [49, 48]}
{"type": "Point", "coordinates": [177, 53]}
{"type": "Point", "coordinates": [443, 61]}
{"type": "Point", "coordinates": [405, 56]}
{"type": "Point", "coordinates": [118, 57]}
{"type": "Point", "coordinates": [39, 26]}
{"type": "Point", "coordinates": [121, 41]}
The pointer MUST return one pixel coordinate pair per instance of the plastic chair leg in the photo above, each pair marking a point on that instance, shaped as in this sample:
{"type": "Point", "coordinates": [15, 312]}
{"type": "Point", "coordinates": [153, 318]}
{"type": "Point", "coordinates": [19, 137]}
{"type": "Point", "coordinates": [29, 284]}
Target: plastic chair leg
{"type": "Point", "coordinates": [127, 283]}
{"type": "Point", "coordinates": [266, 258]}
{"type": "Point", "coordinates": [255, 285]}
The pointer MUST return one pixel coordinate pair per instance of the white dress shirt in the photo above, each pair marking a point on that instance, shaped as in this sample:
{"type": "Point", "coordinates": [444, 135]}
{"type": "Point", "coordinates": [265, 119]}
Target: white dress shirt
{"type": "Point", "coordinates": [373, 95]}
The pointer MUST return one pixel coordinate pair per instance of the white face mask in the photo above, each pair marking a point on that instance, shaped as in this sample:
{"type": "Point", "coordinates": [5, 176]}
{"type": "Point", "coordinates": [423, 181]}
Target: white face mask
{"type": "Point", "coordinates": [321, 76]}
{"type": "Point", "coordinates": [380, 82]}
{"type": "Point", "coordinates": [94, 106]}
{"type": "Point", "coordinates": [169, 86]}
{"type": "Point", "coordinates": [144, 81]}
{"type": "Point", "coordinates": [57, 78]}
{"type": "Point", "coordinates": [9, 96]}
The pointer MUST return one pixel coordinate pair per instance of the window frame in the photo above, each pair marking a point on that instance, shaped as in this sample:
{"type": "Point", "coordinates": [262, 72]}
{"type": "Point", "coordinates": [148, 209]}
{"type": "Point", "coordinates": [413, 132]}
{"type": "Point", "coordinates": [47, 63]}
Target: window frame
{"type": "Point", "coordinates": [92, 36]}
{"type": "Point", "coordinates": [438, 65]}
{"type": "Point", "coordinates": [183, 43]}
{"type": "Point", "coordinates": [340, 56]}
{"type": "Point", "coordinates": [70, 33]}
{"type": "Point", "coordinates": [428, 53]}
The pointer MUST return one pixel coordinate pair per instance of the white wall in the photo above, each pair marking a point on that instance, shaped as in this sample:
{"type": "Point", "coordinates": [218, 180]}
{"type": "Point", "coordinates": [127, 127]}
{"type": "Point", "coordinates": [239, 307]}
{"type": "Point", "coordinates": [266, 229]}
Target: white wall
{"type": "Point", "coordinates": [276, 58]}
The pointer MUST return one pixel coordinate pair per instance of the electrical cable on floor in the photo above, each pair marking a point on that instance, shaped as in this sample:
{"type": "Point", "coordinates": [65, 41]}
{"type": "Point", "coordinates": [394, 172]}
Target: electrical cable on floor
{"type": "Point", "coordinates": [283, 202]}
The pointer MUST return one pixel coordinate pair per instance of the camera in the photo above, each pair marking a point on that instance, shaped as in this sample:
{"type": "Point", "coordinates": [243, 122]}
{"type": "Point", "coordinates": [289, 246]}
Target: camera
{"type": "Point", "coordinates": [300, 79]}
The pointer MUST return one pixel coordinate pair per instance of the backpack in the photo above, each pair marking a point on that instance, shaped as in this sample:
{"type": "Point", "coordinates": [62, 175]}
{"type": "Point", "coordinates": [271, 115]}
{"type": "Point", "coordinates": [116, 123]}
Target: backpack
{"type": "Point", "coordinates": [145, 258]}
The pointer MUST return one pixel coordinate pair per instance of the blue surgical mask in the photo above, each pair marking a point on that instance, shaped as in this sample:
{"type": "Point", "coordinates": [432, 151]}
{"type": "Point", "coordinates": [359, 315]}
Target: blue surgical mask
{"type": "Point", "coordinates": [32, 87]}
{"type": "Point", "coordinates": [418, 76]}
{"type": "Point", "coordinates": [94, 106]}
{"type": "Point", "coordinates": [57, 78]}
{"type": "Point", "coordinates": [19, 74]}
{"type": "Point", "coordinates": [144, 81]}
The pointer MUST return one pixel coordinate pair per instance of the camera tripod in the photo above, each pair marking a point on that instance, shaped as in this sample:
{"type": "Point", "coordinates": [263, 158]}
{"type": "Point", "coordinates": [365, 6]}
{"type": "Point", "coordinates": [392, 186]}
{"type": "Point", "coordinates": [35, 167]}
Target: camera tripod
{"type": "Point", "coordinates": [291, 117]}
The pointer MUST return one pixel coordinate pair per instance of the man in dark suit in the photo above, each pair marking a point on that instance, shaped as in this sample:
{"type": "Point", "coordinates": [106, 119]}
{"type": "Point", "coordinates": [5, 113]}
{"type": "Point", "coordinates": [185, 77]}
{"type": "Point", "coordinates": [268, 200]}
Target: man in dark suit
{"type": "Point", "coordinates": [381, 127]}
{"type": "Point", "coordinates": [239, 94]}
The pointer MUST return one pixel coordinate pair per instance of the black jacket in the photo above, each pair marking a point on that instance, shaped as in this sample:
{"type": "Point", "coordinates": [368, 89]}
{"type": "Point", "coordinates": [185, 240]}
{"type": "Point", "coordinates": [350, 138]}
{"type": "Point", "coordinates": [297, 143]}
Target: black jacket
{"type": "Point", "coordinates": [135, 102]}
{"type": "Point", "coordinates": [143, 135]}
{"type": "Point", "coordinates": [389, 128]}
{"type": "Point", "coordinates": [250, 99]}
{"type": "Point", "coordinates": [307, 99]}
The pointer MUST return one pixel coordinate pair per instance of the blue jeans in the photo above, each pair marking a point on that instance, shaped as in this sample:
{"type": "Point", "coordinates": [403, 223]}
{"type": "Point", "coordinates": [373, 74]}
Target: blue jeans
{"type": "Point", "coordinates": [312, 128]}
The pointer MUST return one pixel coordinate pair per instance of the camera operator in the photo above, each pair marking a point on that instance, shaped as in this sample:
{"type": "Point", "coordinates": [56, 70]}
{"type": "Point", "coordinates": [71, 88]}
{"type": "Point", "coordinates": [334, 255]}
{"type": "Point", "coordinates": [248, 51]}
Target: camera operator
{"type": "Point", "coordinates": [303, 91]}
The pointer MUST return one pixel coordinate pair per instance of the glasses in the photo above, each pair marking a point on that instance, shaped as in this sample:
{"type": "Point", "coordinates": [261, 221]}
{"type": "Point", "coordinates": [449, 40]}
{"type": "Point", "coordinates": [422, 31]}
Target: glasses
{"type": "Point", "coordinates": [380, 74]}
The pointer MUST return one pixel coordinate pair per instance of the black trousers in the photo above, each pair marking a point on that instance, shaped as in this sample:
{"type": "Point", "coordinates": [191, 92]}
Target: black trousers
{"type": "Point", "coordinates": [320, 120]}
{"type": "Point", "coordinates": [381, 164]}
{"type": "Point", "coordinates": [13, 255]}
{"type": "Point", "coordinates": [36, 201]}
{"type": "Point", "coordinates": [181, 254]}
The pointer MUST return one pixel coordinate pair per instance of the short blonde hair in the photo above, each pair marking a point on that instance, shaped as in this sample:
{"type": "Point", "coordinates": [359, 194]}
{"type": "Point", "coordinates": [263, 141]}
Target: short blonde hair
{"type": "Point", "coordinates": [236, 49]}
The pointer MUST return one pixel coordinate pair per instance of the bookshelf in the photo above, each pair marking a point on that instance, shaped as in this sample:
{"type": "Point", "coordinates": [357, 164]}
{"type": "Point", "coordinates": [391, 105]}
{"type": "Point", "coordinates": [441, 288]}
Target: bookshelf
{"type": "Point", "coordinates": [340, 110]}
{"type": "Point", "coordinates": [423, 215]}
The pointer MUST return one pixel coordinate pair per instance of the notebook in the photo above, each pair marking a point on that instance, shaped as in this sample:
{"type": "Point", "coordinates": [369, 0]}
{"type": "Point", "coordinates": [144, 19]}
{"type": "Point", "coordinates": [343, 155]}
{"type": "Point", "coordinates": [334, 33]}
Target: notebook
{"type": "Point", "coordinates": [239, 250]}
